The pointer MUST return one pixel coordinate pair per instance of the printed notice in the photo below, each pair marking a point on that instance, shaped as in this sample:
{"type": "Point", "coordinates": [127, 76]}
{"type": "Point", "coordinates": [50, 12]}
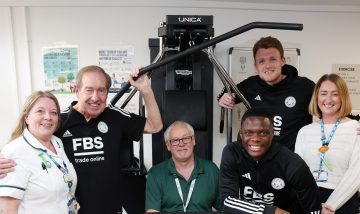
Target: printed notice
{"type": "Point", "coordinates": [117, 61]}
{"type": "Point", "coordinates": [60, 67]}
{"type": "Point", "coordinates": [351, 74]}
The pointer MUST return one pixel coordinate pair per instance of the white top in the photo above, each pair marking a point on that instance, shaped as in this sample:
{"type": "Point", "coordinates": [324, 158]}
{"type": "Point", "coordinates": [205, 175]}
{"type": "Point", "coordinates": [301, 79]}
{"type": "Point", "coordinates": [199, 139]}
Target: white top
{"type": "Point", "coordinates": [40, 190]}
{"type": "Point", "coordinates": [343, 156]}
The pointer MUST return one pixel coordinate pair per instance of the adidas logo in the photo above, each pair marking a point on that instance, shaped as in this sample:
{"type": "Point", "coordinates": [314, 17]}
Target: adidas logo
{"type": "Point", "coordinates": [67, 134]}
{"type": "Point", "coordinates": [258, 98]}
{"type": "Point", "coordinates": [246, 175]}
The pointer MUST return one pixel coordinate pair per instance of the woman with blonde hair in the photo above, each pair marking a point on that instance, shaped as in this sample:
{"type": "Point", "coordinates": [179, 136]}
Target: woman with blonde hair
{"type": "Point", "coordinates": [331, 147]}
{"type": "Point", "coordinates": [44, 180]}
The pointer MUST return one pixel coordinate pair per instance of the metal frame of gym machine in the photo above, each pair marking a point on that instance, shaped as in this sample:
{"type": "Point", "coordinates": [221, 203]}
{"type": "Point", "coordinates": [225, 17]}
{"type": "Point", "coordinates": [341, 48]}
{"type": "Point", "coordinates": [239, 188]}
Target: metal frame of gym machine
{"type": "Point", "coordinates": [208, 48]}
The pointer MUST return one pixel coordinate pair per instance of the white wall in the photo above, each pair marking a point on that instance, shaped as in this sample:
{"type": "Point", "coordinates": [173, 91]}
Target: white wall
{"type": "Point", "coordinates": [330, 36]}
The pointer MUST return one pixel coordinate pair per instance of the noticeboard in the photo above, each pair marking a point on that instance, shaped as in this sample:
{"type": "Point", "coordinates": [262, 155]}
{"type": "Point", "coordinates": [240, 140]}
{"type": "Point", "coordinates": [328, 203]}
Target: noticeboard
{"type": "Point", "coordinates": [351, 74]}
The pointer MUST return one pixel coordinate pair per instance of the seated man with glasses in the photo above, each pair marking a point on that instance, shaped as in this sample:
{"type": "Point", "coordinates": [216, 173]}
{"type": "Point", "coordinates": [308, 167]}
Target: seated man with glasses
{"type": "Point", "coordinates": [185, 182]}
{"type": "Point", "coordinates": [261, 176]}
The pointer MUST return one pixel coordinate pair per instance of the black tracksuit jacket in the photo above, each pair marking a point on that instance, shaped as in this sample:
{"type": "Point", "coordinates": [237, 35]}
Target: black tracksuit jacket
{"type": "Point", "coordinates": [288, 100]}
{"type": "Point", "coordinates": [280, 179]}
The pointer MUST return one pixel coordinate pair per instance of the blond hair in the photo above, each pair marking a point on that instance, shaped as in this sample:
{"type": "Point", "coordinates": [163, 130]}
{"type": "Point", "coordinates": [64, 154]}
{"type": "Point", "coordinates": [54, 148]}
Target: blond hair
{"type": "Point", "coordinates": [345, 108]}
{"type": "Point", "coordinates": [29, 104]}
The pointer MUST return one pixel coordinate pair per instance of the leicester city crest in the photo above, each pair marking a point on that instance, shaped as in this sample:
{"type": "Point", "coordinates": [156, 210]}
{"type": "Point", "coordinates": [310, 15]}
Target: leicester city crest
{"type": "Point", "coordinates": [290, 101]}
{"type": "Point", "coordinates": [277, 183]}
{"type": "Point", "coordinates": [102, 127]}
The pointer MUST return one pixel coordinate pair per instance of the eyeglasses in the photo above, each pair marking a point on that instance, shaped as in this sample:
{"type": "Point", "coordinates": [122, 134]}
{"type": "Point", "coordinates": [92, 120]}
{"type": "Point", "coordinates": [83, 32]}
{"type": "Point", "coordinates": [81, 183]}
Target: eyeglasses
{"type": "Point", "coordinates": [262, 133]}
{"type": "Point", "coordinates": [185, 140]}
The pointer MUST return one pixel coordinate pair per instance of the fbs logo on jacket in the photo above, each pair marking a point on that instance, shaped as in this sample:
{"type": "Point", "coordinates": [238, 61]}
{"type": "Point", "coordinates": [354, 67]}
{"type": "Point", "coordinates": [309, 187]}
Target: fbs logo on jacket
{"type": "Point", "coordinates": [88, 149]}
{"type": "Point", "coordinates": [251, 195]}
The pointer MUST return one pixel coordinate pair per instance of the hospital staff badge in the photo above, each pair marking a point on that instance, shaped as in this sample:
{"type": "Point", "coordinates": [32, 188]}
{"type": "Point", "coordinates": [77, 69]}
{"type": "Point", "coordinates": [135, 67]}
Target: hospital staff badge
{"type": "Point", "coordinates": [277, 183]}
{"type": "Point", "coordinates": [290, 102]}
{"type": "Point", "coordinates": [103, 127]}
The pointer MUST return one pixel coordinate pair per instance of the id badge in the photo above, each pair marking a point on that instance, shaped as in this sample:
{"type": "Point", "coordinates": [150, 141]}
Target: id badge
{"type": "Point", "coordinates": [320, 177]}
{"type": "Point", "coordinates": [68, 177]}
{"type": "Point", "coordinates": [73, 205]}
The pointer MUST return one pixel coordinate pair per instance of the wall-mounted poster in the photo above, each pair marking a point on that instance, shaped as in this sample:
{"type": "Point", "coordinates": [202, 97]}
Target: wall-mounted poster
{"type": "Point", "coordinates": [351, 74]}
{"type": "Point", "coordinates": [60, 67]}
{"type": "Point", "coordinates": [117, 61]}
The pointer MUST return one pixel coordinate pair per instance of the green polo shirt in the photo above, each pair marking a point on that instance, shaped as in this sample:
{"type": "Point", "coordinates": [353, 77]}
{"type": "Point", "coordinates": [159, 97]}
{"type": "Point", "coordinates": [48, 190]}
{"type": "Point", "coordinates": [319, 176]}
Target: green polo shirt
{"type": "Point", "coordinates": [162, 194]}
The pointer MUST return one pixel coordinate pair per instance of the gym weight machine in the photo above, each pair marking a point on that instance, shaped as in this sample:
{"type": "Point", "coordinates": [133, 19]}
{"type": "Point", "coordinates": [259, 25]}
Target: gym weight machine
{"type": "Point", "coordinates": [183, 36]}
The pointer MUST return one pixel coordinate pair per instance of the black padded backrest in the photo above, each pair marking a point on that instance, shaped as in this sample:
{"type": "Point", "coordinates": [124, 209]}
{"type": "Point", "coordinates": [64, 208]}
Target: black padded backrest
{"type": "Point", "coordinates": [188, 106]}
{"type": "Point", "coordinates": [202, 148]}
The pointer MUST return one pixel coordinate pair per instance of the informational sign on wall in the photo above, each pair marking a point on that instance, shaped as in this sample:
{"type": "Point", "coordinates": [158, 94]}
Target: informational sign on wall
{"type": "Point", "coordinates": [61, 64]}
{"type": "Point", "coordinates": [117, 61]}
{"type": "Point", "coordinates": [60, 67]}
{"type": "Point", "coordinates": [351, 74]}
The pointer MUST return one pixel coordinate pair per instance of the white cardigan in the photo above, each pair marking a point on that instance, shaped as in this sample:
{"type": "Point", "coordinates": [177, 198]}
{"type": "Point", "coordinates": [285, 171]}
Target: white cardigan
{"type": "Point", "coordinates": [343, 155]}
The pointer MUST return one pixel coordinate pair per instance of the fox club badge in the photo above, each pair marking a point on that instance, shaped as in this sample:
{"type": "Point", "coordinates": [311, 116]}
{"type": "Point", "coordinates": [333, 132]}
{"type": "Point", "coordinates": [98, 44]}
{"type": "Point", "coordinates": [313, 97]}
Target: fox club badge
{"type": "Point", "coordinates": [290, 101]}
{"type": "Point", "coordinates": [102, 127]}
{"type": "Point", "coordinates": [277, 183]}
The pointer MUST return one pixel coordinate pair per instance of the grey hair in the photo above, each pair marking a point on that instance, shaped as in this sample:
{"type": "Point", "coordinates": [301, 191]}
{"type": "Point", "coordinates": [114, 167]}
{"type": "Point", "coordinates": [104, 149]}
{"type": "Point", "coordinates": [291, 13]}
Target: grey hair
{"type": "Point", "coordinates": [168, 130]}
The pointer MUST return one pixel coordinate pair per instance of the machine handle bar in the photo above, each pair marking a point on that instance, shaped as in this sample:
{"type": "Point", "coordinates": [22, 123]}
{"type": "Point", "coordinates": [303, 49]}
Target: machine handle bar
{"type": "Point", "coordinates": [211, 42]}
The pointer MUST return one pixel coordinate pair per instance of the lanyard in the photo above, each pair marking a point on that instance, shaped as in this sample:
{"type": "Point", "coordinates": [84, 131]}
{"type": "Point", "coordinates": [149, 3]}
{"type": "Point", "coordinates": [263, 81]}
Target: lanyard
{"type": "Point", "coordinates": [325, 144]}
{"type": "Point", "coordinates": [180, 192]}
{"type": "Point", "coordinates": [72, 204]}
{"type": "Point", "coordinates": [66, 175]}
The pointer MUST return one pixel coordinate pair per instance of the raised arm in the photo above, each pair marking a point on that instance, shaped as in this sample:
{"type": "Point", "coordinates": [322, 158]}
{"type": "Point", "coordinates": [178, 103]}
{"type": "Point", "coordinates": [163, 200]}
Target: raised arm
{"type": "Point", "coordinates": [142, 84]}
{"type": "Point", "coordinates": [227, 100]}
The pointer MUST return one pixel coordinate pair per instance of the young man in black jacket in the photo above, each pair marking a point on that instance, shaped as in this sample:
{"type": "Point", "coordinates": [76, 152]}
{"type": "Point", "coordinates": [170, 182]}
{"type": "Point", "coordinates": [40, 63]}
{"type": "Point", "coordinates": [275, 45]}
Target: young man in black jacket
{"type": "Point", "coordinates": [277, 87]}
{"type": "Point", "coordinates": [258, 176]}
